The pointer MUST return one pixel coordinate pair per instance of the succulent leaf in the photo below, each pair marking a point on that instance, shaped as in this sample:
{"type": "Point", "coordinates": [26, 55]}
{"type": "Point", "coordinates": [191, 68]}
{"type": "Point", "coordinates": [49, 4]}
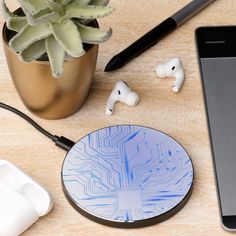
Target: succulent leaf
{"type": "Point", "coordinates": [95, 3]}
{"type": "Point", "coordinates": [93, 35]}
{"type": "Point", "coordinates": [81, 2]}
{"type": "Point", "coordinates": [68, 36]}
{"type": "Point", "coordinates": [14, 22]}
{"type": "Point", "coordinates": [86, 12]}
{"type": "Point", "coordinates": [55, 6]}
{"type": "Point", "coordinates": [29, 35]}
{"type": "Point", "coordinates": [5, 11]}
{"type": "Point", "coordinates": [56, 55]}
{"type": "Point", "coordinates": [34, 51]}
{"type": "Point", "coordinates": [63, 2]}
{"type": "Point", "coordinates": [35, 6]}
{"type": "Point", "coordinates": [43, 17]}
{"type": "Point", "coordinates": [99, 2]}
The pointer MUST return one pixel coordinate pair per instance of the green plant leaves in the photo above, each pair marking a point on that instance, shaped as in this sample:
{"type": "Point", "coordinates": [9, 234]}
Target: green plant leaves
{"type": "Point", "coordinates": [35, 6]}
{"type": "Point", "coordinates": [55, 6]}
{"type": "Point", "coordinates": [40, 11]}
{"type": "Point", "coordinates": [5, 11]}
{"type": "Point", "coordinates": [56, 55]}
{"type": "Point", "coordinates": [14, 22]}
{"type": "Point", "coordinates": [63, 2]}
{"type": "Point", "coordinates": [55, 27]}
{"type": "Point", "coordinates": [99, 2]}
{"type": "Point", "coordinates": [93, 35]}
{"type": "Point", "coordinates": [29, 35]}
{"type": "Point", "coordinates": [86, 12]}
{"type": "Point", "coordinates": [42, 17]}
{"type": "Point", "coordinates": [34, 51]}
{"type": "Point", "coordinates": [81, 2]}
{"type": "Point", "coordinates": [95, 3]}
{"type": "Point", "coordinates": [68, 36]}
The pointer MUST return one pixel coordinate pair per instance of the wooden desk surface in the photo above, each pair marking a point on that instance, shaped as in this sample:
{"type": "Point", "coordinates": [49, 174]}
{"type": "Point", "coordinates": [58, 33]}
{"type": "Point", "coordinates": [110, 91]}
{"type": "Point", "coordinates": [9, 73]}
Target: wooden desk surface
{"type": "Point", "coordinates": [180, 115]}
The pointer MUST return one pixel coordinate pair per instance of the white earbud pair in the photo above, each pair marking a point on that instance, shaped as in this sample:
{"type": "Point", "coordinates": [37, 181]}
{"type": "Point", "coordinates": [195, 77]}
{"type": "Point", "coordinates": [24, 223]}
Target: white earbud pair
{"type": "Point", "coordinates": [172, 68]}
{"type": "Point", "coordinates": [121, 93]}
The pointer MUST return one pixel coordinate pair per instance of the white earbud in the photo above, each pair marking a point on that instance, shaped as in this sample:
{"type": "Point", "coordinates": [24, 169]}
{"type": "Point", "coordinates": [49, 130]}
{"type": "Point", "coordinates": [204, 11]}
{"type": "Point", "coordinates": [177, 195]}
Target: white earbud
{"type": "Point", "coordinates": [121, 93]}
{"type": "Point", "coordinates": [172, 68]}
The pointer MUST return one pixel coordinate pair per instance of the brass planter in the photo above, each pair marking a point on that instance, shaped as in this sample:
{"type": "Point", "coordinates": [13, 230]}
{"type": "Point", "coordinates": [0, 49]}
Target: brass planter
{"type": "Point", "coordinates": [44, 95]}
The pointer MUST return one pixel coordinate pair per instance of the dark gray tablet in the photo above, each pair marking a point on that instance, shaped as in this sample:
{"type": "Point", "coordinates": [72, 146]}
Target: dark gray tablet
{"type": "Point", "coordinates": [217, 59]}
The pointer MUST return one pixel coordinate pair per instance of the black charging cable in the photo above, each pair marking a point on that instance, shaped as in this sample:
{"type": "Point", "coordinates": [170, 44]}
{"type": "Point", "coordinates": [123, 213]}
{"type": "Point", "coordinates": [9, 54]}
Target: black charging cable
{"type": "Point", "coordinates": [61, 142]}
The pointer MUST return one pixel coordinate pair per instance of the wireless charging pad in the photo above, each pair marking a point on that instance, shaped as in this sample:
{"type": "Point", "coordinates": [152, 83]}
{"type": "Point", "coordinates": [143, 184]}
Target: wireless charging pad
{"type": "Point", "coordinates": [127, 176]}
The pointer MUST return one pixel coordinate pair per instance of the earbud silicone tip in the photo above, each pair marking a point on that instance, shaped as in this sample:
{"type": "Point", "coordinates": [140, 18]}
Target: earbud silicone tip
{"type": "Point", "coordinates": [160, 71]}
{"type": "Point", "coordinates": [132, 99]}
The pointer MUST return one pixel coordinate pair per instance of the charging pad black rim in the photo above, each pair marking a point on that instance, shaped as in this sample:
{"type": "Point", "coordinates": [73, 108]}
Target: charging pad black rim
{"type": "Point", "coordinates": [136, 223]}
{"type": "Point", "coordinates": [126, 225]}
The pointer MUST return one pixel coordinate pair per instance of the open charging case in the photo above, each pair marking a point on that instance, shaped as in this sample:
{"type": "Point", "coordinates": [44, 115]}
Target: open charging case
{"type": "Point", "coordinates": [22, 200]}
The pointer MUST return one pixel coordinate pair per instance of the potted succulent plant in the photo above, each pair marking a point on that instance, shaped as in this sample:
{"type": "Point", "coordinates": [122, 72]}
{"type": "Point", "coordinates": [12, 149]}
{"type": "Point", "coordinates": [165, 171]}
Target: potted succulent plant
{"type": "Point", "coordinates": [51, 48]}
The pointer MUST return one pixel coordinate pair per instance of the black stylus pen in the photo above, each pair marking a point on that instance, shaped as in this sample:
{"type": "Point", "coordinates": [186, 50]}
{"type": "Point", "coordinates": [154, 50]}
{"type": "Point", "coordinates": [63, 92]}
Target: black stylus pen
{"type": "Point", "coordinates": [156, 34]}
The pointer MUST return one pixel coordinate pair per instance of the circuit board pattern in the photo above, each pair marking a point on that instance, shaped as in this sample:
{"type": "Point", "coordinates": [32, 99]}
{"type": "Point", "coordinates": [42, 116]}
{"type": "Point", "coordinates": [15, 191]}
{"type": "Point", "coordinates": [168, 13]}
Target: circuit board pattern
{"type": "Point", "coordinates": [127, 173]}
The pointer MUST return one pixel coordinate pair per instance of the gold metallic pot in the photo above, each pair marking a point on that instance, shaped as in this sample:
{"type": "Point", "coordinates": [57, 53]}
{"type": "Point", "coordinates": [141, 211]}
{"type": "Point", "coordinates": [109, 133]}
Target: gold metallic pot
{"type": "Point", "coordinates": [44, 95]}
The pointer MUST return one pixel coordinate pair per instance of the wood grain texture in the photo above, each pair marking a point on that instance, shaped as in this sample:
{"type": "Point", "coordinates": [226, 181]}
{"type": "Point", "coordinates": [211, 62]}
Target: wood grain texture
{"type": "Point", "coordinates": [180, 115]}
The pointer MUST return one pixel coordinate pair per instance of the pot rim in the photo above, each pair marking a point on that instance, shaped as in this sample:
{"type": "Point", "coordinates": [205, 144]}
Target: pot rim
{"type": "Point", "coordinates": [5, 41]}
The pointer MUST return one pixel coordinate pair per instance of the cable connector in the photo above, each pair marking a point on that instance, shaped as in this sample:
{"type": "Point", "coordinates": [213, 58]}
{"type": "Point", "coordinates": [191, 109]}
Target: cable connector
{"type": "Point", "coordinates": [64, 143]}
{"type": "Point", "coordinates": [61, 142]}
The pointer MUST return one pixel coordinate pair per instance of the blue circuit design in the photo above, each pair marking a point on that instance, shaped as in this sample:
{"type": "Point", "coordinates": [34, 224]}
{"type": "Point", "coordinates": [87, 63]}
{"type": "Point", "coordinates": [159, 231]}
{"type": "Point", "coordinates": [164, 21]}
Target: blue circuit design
{"type": "Point", "coordinates": [127, 173]}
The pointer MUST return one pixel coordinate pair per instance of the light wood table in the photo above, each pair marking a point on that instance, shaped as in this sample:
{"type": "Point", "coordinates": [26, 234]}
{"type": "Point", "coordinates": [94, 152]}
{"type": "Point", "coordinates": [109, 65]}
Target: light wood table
{"type": "Point", "coordinates": [180, 115]}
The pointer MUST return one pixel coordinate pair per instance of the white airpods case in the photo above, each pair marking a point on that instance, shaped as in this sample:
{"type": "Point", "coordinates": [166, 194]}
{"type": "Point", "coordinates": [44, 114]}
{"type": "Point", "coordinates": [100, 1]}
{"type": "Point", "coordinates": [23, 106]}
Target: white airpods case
{"type": "Point", "coordinates": [22, 200]}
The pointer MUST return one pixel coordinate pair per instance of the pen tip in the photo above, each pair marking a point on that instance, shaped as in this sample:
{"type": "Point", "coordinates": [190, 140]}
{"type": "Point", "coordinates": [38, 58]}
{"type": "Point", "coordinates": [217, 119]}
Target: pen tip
{"type": "Point", "coordinates": [113, 64]}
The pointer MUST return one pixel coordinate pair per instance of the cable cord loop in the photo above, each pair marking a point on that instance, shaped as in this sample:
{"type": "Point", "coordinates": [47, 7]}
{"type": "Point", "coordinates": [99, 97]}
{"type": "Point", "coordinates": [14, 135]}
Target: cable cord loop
{"type": "Point", "coordinates": [61, 142]}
